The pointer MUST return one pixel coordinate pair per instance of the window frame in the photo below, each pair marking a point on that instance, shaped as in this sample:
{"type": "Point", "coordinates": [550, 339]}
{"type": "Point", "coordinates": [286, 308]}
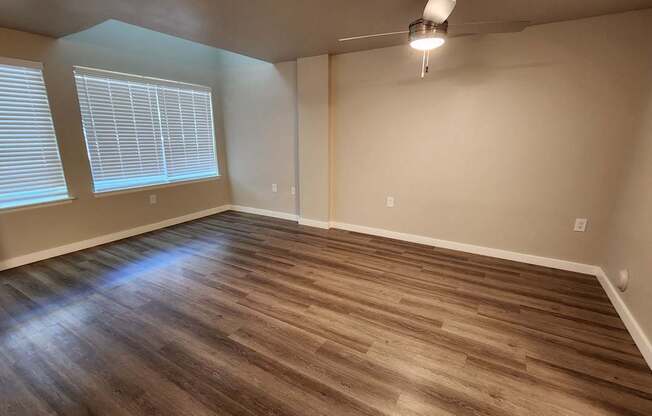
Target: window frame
{"type": "Point", "coordinates": [43, 202]}
{"type": "Point", "coordinates": [157, 82]}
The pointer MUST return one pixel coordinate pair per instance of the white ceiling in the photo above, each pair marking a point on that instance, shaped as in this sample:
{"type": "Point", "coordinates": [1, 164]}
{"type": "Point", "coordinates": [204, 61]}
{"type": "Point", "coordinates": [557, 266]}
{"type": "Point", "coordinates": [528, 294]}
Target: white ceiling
{"type": "Point", "coordinates": [278, 30]}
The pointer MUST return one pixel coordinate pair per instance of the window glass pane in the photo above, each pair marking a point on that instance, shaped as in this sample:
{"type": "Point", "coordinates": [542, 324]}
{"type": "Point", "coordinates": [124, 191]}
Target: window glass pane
{"type": "Point", "coordinates": [142, 131]}
{"type": "Point", "coordinates": [188, 129]}
{"type": "Point", "coordinates": [30, 165]}
{"type": "Point", "coordinates": [122, 131]}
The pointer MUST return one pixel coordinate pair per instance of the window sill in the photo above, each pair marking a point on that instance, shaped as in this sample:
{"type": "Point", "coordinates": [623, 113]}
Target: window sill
{"type": "Point", "coordinates": [39, 205]}
{"type": "Point", "coordinates": [107, 194]}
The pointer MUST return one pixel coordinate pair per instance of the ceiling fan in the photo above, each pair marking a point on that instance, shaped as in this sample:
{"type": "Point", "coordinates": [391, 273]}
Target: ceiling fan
{"type": "Point", "coordinates": [431, 31]}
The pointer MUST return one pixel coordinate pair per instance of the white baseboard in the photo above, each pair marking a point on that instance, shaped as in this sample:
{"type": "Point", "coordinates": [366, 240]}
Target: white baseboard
{"type": "Point", "coordinates": [314, 223]}
{"type": "Point", "coordinates": [265, 212]}
{"type": "Point", "coordinates": [631, 323]}
{"type": "Point", "coordinates": [467, 248]}
{"type": "Point", "coordinates": [470, 248]}
{"type": "Point", "coordinates": [104, 239]}
{"type": "Point", "coordinates": [642, 341]}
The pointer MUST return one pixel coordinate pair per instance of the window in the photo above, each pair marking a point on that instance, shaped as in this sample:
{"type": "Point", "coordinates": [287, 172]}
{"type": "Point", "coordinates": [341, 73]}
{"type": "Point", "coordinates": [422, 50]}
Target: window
{"type": "Point", "coordinates": [143, 131]}
{"type": "Point", "coordinates": [30, 164]}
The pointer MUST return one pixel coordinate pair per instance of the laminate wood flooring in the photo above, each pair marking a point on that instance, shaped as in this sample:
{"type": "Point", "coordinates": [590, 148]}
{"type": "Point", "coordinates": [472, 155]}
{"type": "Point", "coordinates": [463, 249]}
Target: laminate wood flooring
{"type": "Point", "coordinates": [238, 314]}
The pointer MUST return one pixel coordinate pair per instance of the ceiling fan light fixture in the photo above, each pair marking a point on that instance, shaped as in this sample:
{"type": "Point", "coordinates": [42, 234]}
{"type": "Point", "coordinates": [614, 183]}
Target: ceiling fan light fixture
{"type": "Point", "coordinates": [427, 44]}
{"type": "Point", "coordinates": [426, 35]}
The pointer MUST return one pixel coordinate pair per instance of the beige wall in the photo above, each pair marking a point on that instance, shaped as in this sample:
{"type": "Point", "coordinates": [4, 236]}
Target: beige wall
{"type": "Point", "coordinates": [508, 140]}
{"type": "Point", "coordinates": [120, 48]}
{"type": "Point", "coordinates": [629, 242]}
{"type": "Point", "coordinates": [259, 103]}
{"type": "Point", "coordinates": [314, 137]}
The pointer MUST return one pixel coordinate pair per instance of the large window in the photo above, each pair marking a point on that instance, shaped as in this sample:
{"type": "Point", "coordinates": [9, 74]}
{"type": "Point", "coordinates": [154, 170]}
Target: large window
{"type": "Point", "coordinates": [30, 165]}
{"type": "Point", "coordinates": [143, 131]}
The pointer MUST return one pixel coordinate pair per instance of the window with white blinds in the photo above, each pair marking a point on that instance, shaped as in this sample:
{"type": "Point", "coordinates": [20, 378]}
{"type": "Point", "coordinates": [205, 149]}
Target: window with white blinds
{"type": "Point", "coordinates": [144, 131]}
{"type": "Point", "coordinates": [30, 165]}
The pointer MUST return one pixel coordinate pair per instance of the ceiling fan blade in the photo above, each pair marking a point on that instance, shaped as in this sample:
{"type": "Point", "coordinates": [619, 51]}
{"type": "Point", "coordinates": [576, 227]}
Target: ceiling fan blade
{"type": "Point", "coordinates": [439, 11]}
{"type": "Point", "coordinates": [377, 35]}
{"type": "Point", "coordinates": [480, 28]}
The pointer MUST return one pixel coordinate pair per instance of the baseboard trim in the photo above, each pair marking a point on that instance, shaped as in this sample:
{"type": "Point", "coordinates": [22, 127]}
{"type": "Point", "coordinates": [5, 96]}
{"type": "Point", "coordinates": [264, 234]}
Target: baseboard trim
{"type": "Point", "coordinates": [265, 212]}
{"type": "Point", "coordinates": [104, 239]}
{"type": "Point", "coordinates": [470, 248]}
{"type": "Point", "coordinates": [314, 223]}
{"type": "Point", "coordinates": [642, 341]}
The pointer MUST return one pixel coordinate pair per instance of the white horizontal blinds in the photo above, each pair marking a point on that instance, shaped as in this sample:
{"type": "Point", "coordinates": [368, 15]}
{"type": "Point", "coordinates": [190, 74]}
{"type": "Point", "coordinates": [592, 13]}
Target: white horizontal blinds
{"type": "Point", "coordinates": [142, 131]}
{"type": "Point", "coordinates": [122, 131]}
{"type": "Point", "coordinates": [30, 165]}
{"type": "Point", "coordinates": [187, 120]}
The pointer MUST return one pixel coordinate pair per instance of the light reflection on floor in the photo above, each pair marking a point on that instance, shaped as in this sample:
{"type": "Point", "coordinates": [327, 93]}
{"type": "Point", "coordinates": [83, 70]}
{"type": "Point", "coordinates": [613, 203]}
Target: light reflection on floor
{"type": "Point", "coordinates": [93, 280]}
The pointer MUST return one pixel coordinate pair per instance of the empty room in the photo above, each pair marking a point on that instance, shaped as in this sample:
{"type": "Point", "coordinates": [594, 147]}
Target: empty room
{"type": "Point", "coordinates": [326, 208]}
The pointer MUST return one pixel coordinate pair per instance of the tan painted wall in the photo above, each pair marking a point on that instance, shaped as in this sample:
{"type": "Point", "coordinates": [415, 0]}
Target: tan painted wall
{"type": "Point", "coordinates": [629, 242]}
{"type": "Point", "coordinates": [138, 52]}
{"type": "Point", "coordinates": [313, 107]}
{"type": "Point", "coordinates": [260, 124]}
{"type": "Point", "coordinates": [509, 139]}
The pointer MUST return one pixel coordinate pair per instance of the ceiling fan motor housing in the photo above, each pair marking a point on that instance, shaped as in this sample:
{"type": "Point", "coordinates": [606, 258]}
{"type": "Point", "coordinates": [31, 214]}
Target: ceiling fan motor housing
{"type": "Point", "coordinates": [425, 29]}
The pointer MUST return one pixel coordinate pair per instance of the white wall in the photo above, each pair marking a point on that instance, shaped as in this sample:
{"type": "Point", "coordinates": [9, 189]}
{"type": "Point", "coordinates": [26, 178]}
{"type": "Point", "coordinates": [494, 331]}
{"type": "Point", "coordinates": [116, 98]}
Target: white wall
{"type": "Point", "coordinates": [629, 241]}
{"type": "Point", "coordinates": [259, 104]}
{"type": "Point", "coordinates": [508, 140]}
{"type": "Point", "coordinates": [313, 112]}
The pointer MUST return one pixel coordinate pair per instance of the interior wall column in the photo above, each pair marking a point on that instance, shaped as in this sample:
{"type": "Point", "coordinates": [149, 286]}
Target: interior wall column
{"type": "Point", "coordinates": [313, 108]}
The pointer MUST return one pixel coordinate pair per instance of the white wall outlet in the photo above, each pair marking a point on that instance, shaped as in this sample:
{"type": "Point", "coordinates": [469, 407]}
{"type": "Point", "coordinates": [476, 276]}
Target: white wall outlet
{"type": "Point", "coordinates": [293, 190]}
{"type": "Point", "coordinates": [390, 202]}
{"type": "Point", "coordinates": [274, 187]}
{"type": "Point", "coordinates": [153, 199]}
{"type": "Point", "coordinates": [581, 224]}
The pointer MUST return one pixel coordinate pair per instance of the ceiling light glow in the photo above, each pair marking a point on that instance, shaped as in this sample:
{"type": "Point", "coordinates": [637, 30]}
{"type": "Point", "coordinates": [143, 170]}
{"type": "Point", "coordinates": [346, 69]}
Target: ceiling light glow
{"type": "Point", "coordinates": [427, 44]}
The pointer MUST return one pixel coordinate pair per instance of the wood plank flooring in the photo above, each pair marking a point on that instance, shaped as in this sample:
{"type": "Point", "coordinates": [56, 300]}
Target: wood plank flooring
{"type": "Point", "coordinates": [238, 314]}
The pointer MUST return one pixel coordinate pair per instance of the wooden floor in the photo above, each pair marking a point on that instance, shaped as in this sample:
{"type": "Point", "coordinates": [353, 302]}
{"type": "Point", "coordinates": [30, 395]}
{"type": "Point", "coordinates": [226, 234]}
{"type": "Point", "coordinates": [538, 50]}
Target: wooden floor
{"type": "Point", "coordinates": [238, 314]}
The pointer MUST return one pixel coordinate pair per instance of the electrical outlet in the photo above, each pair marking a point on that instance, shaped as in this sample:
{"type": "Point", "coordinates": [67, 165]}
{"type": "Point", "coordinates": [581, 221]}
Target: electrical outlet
{"type": "Point", "coordinates": [274, 187]}
{"type": "Point", "coordinates": [153, 199]}
{"type": "Point", "coordinates": [390, 202]}
{"type": "Point", "coordinates": [581, 224]}
{"type": "Point", "coordinates": [293, 190]}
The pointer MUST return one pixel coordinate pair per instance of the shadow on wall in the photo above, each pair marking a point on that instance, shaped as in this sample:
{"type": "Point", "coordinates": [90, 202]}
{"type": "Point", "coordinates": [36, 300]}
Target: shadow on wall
{"type": "Point", "coordinates": [139, 41]}
{"type": "Point", "coordinates": [467, 61]}
{"type": "Point", "coordinates": [468, 64]}
{"type": "Point", "coordinates": [628, 243]}
{"type": "Point", "coordinates": [471, 73]}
